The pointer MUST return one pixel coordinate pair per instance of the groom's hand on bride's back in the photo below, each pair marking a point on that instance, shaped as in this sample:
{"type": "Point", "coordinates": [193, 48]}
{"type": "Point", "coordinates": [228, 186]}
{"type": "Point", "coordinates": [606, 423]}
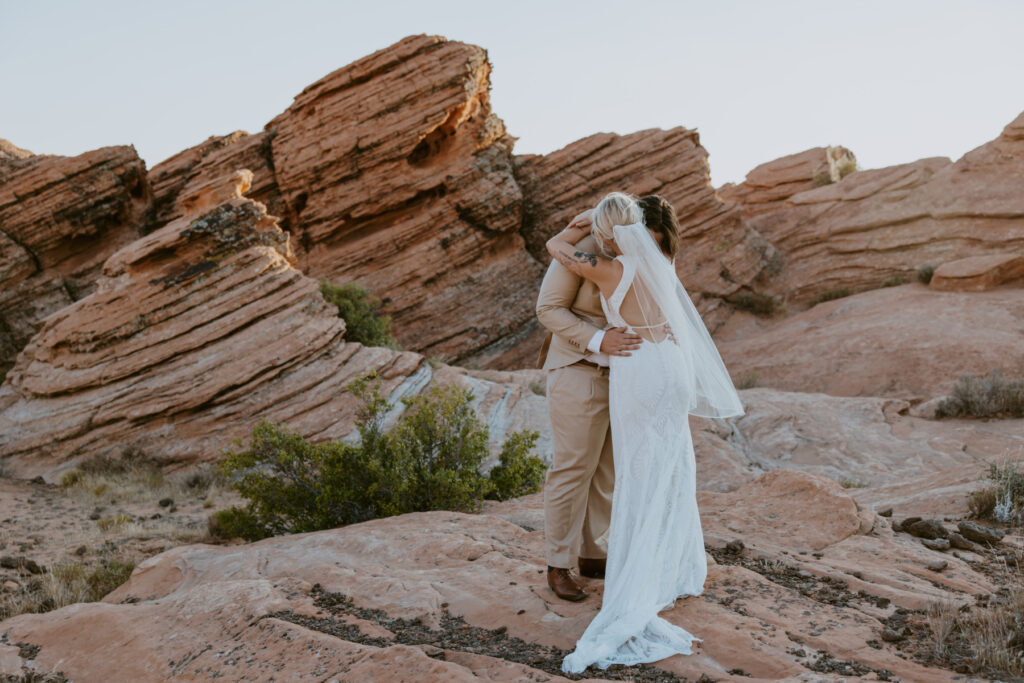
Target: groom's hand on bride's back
{"type": "Point", "coordinates": [618, 342]}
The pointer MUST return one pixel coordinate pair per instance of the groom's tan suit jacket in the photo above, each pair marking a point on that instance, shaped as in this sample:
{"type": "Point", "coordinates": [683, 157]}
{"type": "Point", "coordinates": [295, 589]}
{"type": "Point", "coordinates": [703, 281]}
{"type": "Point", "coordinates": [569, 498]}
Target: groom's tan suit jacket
{"type": "Point", "coordinates": [569, 306]}
{"type": "Point", "coordinates": [578, 488]}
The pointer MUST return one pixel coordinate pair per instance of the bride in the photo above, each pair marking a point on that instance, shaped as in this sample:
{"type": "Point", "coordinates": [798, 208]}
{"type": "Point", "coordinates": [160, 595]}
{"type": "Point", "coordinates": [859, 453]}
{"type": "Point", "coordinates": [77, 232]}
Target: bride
{"type": "Point", "coordinates": [655, 542]}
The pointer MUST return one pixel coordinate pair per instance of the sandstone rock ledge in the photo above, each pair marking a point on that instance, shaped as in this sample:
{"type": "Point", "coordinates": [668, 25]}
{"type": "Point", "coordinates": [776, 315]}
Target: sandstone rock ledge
{"type": "Point", "coordinates": [193, 333]}
{"type": "Point", "coordinates": [255, 611]}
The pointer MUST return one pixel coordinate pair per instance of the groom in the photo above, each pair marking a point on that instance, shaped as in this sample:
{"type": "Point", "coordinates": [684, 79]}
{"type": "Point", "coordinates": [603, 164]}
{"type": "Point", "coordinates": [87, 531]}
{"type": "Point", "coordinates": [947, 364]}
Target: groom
{"type": "Point", "coordinates": [579, 483]}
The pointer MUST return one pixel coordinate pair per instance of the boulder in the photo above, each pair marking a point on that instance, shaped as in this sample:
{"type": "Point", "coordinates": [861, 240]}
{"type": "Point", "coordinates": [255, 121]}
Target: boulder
{"type": "Point", "coordinates": [979, 533]}
{"type": "Point", "coordinates": [926, 528]}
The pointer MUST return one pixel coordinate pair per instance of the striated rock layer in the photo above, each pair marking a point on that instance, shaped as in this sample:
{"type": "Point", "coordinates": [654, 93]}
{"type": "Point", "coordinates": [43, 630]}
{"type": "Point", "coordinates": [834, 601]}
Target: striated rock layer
{"type": "Point", "coordinates": [60, 217]}
{"type": "Point", "coordinates": [193, 333]}
{"type": "Point", "coordinates": [244, 612]}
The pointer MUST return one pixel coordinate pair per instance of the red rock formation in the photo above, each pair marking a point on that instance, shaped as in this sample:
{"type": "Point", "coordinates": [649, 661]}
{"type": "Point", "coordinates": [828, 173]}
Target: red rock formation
{"type": "Point", "coordinates": [60, 217]}
{"type": "Point", "coordinates": [193, 333]}
{"type": "Point", "coordinates": [882, 223]}
{"type": "Point", "coordinates": [909, 342]}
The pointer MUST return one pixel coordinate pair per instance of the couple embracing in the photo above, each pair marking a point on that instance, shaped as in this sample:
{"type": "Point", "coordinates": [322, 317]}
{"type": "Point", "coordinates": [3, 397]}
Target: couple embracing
{"type": "Point", "coordinates": [628, 359]}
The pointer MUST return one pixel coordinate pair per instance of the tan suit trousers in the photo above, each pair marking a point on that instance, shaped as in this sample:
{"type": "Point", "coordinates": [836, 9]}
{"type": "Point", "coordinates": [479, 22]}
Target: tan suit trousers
{"type": "Point", "coordinates": [579, 484]}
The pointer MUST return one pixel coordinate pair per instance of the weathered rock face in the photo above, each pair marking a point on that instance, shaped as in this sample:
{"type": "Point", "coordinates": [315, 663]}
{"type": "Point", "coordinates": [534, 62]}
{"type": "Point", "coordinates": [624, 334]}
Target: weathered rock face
{"type": "Point", "coordinates": [774, 181]}
{"type": "Point", "coordinates": [882, 223]}
{"type": "Point", "coordinates": [193, 333]}
{"type": "Point", "coordinates": [393, 172]}
{"type": "Point", "coordinates": [718, 254]}
{"type": "Point", "coordinates": [60, 217]}
{"type": "Point", "coordinates": [978, 273]}
{"type": "Point", "coordinates": [909, 341]}
{"type": "Point", "coordinates": [245, 611]}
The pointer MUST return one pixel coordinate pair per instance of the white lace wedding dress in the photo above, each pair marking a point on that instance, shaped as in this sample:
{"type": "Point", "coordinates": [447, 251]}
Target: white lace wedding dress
{"type": "Point", "coordinates": [655, 541]}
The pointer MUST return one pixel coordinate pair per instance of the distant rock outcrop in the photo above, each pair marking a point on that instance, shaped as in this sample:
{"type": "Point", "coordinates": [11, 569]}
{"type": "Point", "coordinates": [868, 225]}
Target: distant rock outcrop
{"type": "Point", "coordinates": [885, 223]}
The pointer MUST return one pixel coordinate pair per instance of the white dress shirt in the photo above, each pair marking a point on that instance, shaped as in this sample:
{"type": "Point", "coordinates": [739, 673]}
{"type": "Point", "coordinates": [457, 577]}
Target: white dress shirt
{"type": "Point", "coordinates": [594, 346]}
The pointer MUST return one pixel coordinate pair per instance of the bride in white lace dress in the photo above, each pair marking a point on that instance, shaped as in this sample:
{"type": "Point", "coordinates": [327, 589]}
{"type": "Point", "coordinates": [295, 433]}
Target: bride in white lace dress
{"type": "Point", "coordinates": [655, 542]}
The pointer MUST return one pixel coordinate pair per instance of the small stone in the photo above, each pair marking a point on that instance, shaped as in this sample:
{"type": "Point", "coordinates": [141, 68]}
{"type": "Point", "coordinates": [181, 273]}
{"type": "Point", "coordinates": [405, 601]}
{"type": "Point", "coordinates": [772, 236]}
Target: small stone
{"type": "Point", "coordinates": [926, 528]}
{"type": "Point", "coordinates": [164, 502]}
{"type": "Point", "coordinates": [973, 531]}
{"type": "Point", "coordinates": [936, 543]}
{"type": "Point", "coordinates": [907, 521]}
{"type": "Point", "coordinates": [38, 480]}
{"type": "Point", "coordinates": [937, 565]}
{"type": "Point", "coordinates": [81, 550]}
{"type": "Point", "coordinates": [94, 515]}
{"type": "Point", "coordinates": [882, 602]}
{"type": "Point", "coordinates": [735, 546]}
{"type": "Point", "coordinates": [9, 562]}
{"type": "Point", "coordinates": [958, 541]}
{"type": "Point", "coordinates": [886, 512]}
{"type": "Point", "coordinates": [891, 636]}
{"type": "Point", "coordinates": [173, 508]}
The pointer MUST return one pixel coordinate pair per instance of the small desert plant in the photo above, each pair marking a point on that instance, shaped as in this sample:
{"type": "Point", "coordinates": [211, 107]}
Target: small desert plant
{"type": "Point", "coordinates": [65, 583]}
{"type": "Point", "coordinates": [1003, 500]}
{"type": "Point", "coordinates": [988, 637]}
{"type": "Point", "coordinates": [894, 281]}
{"type": "Point", "coordinates": [539, 388]}
{"type": "Point", "coordinates": [925, 272]}
{"type": "Point", "coordinates": [829, 295]}
{"type": "Point", "coordinates": [756, 303]}
{"type": "Point", "coordinates": [748, 380]}
{"type": "Point", "coordinates": [361, 312]}
{"type": "Point", "coordinates": [429, 460]}
{"type": "Point", "coordinates": [993, 395]}
{"type": "Point", "coordinates": [850, 483]}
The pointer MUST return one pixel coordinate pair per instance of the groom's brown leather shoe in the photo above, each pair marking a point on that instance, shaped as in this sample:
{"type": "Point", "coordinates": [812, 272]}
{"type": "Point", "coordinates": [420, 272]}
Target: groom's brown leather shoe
{"type": "Point", "coordinates": [592, 568]}
{"type": "Point", "coordinates": [564, 585]}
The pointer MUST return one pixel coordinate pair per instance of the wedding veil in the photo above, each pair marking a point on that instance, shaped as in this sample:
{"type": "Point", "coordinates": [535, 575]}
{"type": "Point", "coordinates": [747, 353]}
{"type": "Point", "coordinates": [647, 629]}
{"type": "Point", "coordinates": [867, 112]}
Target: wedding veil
{"type": "Point", "coordinates": [662, 297]}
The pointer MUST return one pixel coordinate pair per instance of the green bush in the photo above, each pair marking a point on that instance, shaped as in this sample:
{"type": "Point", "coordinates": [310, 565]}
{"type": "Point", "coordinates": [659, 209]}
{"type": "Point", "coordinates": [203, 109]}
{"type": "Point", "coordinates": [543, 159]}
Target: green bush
{"type": "Point", "coordinates": [925, 272]}
{"type": "Point", "coordinates": [430, 460]}
{"type": "Point", "coordinates": [361, 313]}
{"type": "Point", "coordinates": [1003, 500]}
{"type": "Point", "coordinates": [894, 281]}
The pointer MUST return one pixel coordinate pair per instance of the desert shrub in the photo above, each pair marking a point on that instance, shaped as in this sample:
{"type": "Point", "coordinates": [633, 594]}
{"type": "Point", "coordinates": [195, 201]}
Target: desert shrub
{"type": "Point", "coordinates": [517, 472]}
{"type": "Point", "coordinates": [429, 460]}
{"type": "Point", "coordinates": [65, 583]}
{"type": "Point", "coordinates": [925, 272]}
{"type": "Point", "coordinates": [894, 281]}
{"type": "Point", "coordinates": [747, 380]}
{"type": "Point", "coordinates": [992, 395]}
{"type": "Point", "coordinates": [361, 312]}
{"type": "Point", "coordinates": [756, 303]}
{"type": "Point", "coordinates": [1003, 499]}
{"type": "Point", "coordinates": [830, 294]}
{"type": "Point", "coordinates": [987, 638]}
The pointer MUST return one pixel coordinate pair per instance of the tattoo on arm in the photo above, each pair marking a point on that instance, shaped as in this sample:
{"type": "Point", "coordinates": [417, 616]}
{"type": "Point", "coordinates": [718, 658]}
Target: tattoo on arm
{"type": "Point", "coordinates": [579, 257]}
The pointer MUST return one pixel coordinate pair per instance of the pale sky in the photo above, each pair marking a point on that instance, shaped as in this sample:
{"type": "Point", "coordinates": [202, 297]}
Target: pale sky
{"type": "Point", "coordinates": [893, 80]}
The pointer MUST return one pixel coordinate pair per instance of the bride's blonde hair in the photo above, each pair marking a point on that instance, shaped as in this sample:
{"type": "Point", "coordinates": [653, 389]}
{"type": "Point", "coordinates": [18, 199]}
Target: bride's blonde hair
{"type": "Point", "coordinates": [615, 208]}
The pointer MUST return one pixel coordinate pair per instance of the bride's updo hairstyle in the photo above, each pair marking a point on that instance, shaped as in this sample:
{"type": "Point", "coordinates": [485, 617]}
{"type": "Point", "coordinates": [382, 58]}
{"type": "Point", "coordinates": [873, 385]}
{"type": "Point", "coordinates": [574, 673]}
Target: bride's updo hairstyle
{"type": "Point", "coordinates": [616, 208]}
{"type": "Point", "coordinates": [660, 216]}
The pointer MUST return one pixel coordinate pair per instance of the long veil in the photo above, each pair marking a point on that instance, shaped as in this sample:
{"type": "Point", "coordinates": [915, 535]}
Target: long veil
{"type": "Point", "coordinates": [662, 297]}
